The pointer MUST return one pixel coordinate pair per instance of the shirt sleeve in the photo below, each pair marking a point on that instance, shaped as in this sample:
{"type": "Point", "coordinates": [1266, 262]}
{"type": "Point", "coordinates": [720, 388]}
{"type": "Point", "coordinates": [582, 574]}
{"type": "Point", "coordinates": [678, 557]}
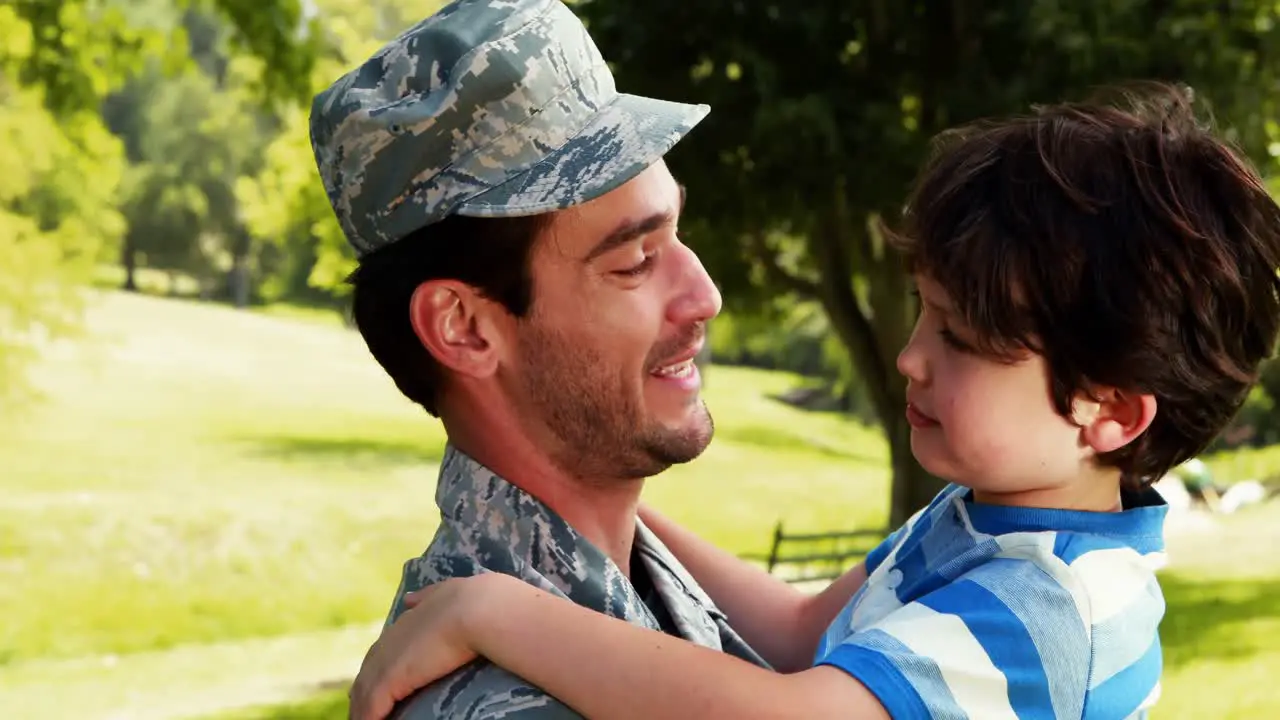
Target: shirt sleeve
{"type": "Point", "coordinates": [482, 691]}
{"type": "Point", "coordinates": [881, 551]}
{"type": "Point", "coordinates": [1004, 641]}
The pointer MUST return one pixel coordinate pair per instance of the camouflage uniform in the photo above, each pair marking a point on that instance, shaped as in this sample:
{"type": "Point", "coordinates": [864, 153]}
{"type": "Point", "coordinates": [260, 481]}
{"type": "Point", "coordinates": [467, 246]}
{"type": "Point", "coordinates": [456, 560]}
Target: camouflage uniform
{"type": "Point", "coordinates": [489, 525]}
{"type": "Point", "coordinates": [502, 108]}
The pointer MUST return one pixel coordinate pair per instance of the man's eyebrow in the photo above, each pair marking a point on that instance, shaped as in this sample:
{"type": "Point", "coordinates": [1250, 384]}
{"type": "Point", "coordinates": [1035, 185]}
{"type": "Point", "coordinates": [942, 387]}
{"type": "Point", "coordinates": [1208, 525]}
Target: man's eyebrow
{"type": "Point", "coordinates": [631, 230]}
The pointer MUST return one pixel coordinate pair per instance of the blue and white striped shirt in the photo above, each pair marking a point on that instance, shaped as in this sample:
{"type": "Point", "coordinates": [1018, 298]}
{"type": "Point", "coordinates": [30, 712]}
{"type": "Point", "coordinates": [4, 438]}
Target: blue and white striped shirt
{"type": "Point", "coordinates": [982, 611]}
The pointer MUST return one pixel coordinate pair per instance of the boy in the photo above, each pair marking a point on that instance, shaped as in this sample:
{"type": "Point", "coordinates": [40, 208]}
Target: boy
{"type": "Point", "coordinates": [1098, 287]}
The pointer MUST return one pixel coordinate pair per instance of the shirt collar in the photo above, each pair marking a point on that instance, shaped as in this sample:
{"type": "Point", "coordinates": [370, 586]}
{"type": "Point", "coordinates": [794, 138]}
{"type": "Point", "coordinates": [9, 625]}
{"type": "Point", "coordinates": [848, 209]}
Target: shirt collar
{"type": "Point", "coordinates": [511, 531]}
{"type": "Point", "coordinates": [1139, 524]}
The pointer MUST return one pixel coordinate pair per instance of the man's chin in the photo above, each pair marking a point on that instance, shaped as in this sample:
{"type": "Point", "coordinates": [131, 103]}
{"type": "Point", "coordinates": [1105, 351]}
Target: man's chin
{"type": "Point", "coordinates": [686, 440]}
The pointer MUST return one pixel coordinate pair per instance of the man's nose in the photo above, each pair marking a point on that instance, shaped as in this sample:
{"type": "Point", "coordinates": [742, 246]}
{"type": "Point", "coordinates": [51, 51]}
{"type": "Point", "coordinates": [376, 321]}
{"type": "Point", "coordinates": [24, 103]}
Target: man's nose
{"type": "Point", "coordinates": [697, 298]}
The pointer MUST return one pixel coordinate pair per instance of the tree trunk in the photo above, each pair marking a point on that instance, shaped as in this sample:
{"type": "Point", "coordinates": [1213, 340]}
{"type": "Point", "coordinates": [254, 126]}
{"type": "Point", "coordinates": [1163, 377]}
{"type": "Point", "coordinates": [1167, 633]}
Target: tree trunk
{"type": "Point", "coordinates": [873, 332]}
{"type": "Point", "coordinates": [911, 487]}
{"type": "Point", "coordinates": [129, 259]}
{"type": "Point", "coordinates": [239, 282]}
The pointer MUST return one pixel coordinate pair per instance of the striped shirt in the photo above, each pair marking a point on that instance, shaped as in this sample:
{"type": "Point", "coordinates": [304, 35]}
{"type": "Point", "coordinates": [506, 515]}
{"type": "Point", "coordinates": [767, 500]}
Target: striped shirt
{"type": "Point", "coordinates": [991, 612]}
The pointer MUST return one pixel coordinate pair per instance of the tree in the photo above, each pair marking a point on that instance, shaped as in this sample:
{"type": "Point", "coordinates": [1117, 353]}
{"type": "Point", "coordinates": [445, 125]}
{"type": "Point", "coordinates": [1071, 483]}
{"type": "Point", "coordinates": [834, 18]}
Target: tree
{"type": "Point", "coordinates": [58, 60]}
{"type": "Point", "coordinates": [56, 211]}
{"type": "Point", "coordinates": [194, 141]}
{"type": "Point", "coordinates": [86, 48]}
{"type": "Point", "coordinates": [189, 139]}
{"type": "Point", "coordinates": [823, 111]}
{"type": "Point", "coordinates": [285, 205]}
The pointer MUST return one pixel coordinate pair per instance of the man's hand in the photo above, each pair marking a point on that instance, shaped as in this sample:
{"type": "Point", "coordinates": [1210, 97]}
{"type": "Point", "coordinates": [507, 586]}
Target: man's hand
{"type": "Point", "coordinates": [427, 642]}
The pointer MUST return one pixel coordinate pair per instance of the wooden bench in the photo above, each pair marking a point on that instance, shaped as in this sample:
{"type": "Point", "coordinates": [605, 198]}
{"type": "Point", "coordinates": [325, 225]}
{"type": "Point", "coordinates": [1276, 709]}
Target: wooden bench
{"type": "Point", "coordinates": [813, 557]}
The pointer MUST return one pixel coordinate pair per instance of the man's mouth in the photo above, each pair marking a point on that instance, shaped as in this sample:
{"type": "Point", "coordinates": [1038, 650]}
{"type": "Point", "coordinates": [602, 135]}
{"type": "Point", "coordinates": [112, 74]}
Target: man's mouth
{"type": "Point", "coordinates": [678, 370]}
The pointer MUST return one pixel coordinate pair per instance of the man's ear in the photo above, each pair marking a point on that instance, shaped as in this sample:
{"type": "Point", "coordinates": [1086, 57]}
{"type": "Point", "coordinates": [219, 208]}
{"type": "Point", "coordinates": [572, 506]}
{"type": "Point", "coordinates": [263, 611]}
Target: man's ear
{"type": "Point", "coordinates": [457, 326]}
{"type": "Point", "coordinates": [1110, 419]}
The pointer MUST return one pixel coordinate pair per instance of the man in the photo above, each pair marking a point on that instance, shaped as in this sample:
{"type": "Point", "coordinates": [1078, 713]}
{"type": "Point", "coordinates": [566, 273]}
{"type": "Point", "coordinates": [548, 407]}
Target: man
{"type": "Point", "coordinates": [521, 278]}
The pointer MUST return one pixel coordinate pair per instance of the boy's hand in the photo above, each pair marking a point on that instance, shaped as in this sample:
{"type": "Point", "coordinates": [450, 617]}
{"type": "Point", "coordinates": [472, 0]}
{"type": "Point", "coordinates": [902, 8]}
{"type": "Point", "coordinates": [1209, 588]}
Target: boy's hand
{"type": "Point", "coordinates": [427, 642]}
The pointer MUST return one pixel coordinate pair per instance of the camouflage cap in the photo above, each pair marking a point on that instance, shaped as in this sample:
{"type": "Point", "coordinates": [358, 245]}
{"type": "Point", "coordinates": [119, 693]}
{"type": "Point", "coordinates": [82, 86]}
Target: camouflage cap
{"type": "Point", "coordinates": [489, 108]}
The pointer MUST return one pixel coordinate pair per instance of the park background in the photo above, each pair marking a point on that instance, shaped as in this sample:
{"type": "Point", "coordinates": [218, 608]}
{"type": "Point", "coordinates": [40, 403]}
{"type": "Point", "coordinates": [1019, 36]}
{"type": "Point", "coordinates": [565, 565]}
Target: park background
{"type": "Point", "coordinates": [207, 485]}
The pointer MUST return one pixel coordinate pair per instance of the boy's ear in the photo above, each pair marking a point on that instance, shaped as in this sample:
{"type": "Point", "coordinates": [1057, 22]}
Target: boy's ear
{"type": "Point", "coordinates": [1109, 419]}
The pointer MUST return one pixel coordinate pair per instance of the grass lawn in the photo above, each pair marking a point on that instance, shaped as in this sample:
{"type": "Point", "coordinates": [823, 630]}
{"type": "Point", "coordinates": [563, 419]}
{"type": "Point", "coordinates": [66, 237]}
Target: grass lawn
{"type": "Point", "coordinates": [211, 508]}
{"type": "Point", "coordinates": [1221, 632]}
{"type": "Point", "coordinates": [199, 475]}
{"type": "Point", "coordinates": [1222, 629]}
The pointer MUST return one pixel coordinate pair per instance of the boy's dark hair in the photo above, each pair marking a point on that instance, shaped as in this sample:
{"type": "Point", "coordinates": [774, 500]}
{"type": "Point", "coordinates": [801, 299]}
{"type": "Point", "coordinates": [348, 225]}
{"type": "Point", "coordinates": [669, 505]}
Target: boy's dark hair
{"type": "Point", "coordinates": [490, 254]}
{"type": "Point", "coordinates": [1122, 241]}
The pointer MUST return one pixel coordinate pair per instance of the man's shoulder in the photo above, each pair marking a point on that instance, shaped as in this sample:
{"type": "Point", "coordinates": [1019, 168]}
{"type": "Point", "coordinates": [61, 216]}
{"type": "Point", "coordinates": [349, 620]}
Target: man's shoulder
{"type": "Point", "coordinates": [482, 691]}
{"type": "Point", "coordinates": [447, 558]}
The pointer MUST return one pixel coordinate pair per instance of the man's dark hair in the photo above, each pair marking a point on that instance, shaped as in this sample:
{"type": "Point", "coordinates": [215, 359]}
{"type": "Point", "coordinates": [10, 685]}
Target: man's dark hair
{"type": "Point", "coordinates": [491, 255]}
{"type": "Point", "coordinates": [1124, 243]}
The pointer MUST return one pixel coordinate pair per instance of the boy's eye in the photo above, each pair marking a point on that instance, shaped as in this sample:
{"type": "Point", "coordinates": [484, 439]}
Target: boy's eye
{"type": "Point", "coordinates": [954, 342]}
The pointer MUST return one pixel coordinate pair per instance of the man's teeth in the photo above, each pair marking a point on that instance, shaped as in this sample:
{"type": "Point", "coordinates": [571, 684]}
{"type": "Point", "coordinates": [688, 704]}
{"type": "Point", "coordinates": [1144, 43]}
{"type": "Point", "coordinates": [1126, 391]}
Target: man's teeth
{"type": "Point", "coordinates": [679, 370]}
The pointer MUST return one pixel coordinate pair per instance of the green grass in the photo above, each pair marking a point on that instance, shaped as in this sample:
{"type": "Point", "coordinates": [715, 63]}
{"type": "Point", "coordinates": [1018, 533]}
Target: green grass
{"type": "Point", "coordinates": [327, 705]}
{"type": "Point", "coordinates": [212, 508]}
{"type": "Point", "coordinates": [148, 280]}
{"type": "Point", "coordinates": [1247, 463]}
{"type": "Point", "coordinates": [215, 472]}
{"type": "Point", "coordinates": [323, 316]}
{"type": "Point", "coordinates": [1221, 632]}
{"type": "Point", "coordinates": [187, 681]}
{"type": "Point", "coordinates": [201, 475]}
{"type": "Point", "coordinates": [206, 475]}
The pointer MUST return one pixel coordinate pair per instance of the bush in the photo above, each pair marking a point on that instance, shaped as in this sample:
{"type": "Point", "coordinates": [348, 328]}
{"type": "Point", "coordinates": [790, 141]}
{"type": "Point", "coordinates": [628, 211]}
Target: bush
{"type": "Point", "coordinates": [1257, 424]}
{"type": "Point", "coordinates": [794, 337]}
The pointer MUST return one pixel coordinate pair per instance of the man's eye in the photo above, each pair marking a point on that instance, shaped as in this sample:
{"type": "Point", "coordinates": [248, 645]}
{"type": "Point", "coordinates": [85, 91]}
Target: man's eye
{"type": "Point", "coordinates": [640, 269]}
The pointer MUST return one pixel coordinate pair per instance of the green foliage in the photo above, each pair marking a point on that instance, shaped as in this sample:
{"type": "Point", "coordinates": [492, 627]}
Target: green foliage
{"type": "Point", "coordinates": [1257, 424]}
{"type": "Point", "coordinates": [285, 208]}
{"type": "Point", "coordinates": [285, 205]}
{"type": "Point", "coordinates": [823, 111]}
{"type": "Point", "coordinates": [83, 49]}
{"type": "Point", "coordinates": [56, 215]}
{"type": "Point", "coordinates": [794, 336]}
{"type": "Point", "coordinates": [193, 141]}
{"type": "Point", "coordinates": [74, 50]}
{"type": "Point", "coordinates": [65, 176]}
{"type": "Point", "coordinates": [282, 43]}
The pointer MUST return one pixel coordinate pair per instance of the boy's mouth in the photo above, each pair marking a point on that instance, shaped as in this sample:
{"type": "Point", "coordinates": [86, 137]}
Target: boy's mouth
{"type": "Point", "coordinates": [918, 419]}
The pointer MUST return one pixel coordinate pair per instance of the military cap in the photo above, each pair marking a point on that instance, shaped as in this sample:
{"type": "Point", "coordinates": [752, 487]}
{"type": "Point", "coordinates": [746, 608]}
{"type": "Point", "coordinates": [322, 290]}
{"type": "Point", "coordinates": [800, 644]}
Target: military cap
{"type": "Point", "coordinates": [488, 108]}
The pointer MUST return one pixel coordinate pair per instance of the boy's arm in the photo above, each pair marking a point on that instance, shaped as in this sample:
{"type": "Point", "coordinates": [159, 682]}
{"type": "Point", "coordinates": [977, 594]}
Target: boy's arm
{"type": "Point", "coordinates": [778, 621]}
{"type": "Point", "coordinates": [601, 666]}
{"type": "Point", "coordinates": [975, 647]}
{"type": "Point", "coordinates": [607, 668]}
{"type": "Point", "coordinates": [1005, 640]}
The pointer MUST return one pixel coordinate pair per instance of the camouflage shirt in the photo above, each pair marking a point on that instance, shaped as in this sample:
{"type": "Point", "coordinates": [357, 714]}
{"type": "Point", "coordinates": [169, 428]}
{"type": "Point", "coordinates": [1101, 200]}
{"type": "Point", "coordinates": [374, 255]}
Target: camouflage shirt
{"type": "Point", "coordinates": [489, 525]}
